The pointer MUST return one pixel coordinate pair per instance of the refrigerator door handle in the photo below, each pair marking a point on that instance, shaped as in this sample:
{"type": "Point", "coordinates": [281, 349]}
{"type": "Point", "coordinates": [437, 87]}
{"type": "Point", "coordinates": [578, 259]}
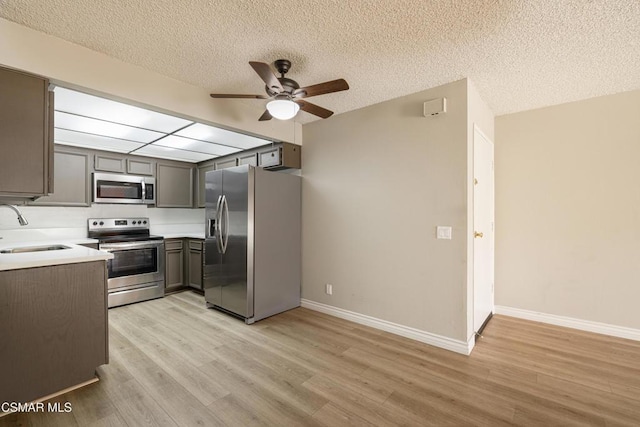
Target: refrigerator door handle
{"type": "Point", "coordinates": [226, 224]}
{"type": "Point", "coordinates": [217, 228]}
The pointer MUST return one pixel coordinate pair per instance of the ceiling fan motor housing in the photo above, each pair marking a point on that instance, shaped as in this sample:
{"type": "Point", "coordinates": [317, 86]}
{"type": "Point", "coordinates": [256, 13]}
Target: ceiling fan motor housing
{"type": "Point", "coordinates": [282, 65]}
{"type": "Point", "coordinates": [289, 86]}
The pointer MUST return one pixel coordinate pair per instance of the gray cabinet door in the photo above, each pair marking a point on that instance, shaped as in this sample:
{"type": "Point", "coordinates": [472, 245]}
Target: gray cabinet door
{"type": "Point", "coordinates": [174, 264]}
{"type": "Point", "coordinates": [26, 141]}
{"type": "Point", "coordinates": [54, 328]}
{"type": "Point", "coordinates": [113, 163]}
{"type": "Point", "coordinates": [141, 167]}
{"type": "Point", "coordinates": [228, 163]}
{"type": "Point", "coordinates": [194, 256]}
{"type": "Point", "coordinates": [200, 196]}
{"type": "Point", "coordinates": [71, 180]}
{"type": "Point", "coordinates": [248, 159]}
{"type": "Point", "coordinates": [174, 186]}
{"type": "Point", "coordinates": [269, 157]}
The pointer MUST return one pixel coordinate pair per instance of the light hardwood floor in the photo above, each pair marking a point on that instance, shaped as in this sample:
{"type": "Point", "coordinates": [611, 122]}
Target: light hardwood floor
{"type": "Point", "coordinates": [173, 362]}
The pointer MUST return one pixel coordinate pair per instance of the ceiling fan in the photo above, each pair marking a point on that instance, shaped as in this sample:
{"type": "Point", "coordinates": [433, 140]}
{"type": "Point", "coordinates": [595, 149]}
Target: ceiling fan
{"type": "Point", "coordinates": [287, 97]}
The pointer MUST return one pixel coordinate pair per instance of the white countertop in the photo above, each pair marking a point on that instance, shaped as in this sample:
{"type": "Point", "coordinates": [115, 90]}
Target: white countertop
{"type": "Point", "coordinates": [73, 255]}
{"type": "Point", "coordinates": [185, 235]}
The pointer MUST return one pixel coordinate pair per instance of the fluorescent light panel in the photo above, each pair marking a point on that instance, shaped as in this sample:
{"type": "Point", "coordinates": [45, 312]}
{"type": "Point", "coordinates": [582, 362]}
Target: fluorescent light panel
{"type": "Point", "coordinates": [172, 154]}
{"type": "Point", "coordinates": [99, 127]}
{"type": "Point", "coordinates": [89, 121]}
{"type": "Point", "coordinates": [222, 136]}
{"type": "Point", "coordinates": [195, 145]}
{"type": "Point", "coordinates": [77, 139]}
{"type": "Point", "coordinates": [82, 104]}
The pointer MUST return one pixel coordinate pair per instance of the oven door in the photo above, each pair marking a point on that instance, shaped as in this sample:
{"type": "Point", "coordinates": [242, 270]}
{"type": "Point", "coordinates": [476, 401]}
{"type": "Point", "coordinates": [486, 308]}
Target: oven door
{"type": "Point", "coordinates": [134, 264]}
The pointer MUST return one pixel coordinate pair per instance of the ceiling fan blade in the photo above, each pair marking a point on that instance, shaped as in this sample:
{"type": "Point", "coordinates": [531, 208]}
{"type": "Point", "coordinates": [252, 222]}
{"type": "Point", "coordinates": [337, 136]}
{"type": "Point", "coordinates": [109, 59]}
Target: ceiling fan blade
{"type": "Point", "coordinates": [313, 109]}
{"type": "Point", "coordinates": [265, 116]}
{"type": "Point", "coordinates": [230, 95]}
{"type": "Point", "coordinates": [265, 73]}
{"type": "Point", "coordinates": [322, 88]}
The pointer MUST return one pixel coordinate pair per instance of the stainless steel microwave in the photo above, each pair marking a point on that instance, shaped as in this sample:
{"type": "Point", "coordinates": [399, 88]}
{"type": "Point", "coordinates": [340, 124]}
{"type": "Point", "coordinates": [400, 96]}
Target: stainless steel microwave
{"type": "Point", "coordinates": [116, 188]}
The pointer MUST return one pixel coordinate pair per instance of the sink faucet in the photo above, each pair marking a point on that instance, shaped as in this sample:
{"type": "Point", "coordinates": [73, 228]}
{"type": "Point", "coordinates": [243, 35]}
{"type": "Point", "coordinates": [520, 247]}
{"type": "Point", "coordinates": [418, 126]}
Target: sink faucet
{"type": "Point", "coordinates": [21, 219]}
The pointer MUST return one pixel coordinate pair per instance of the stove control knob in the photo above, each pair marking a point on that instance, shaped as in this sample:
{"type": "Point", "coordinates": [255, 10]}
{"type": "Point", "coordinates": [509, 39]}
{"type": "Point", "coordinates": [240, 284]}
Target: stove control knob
{"type": "Point", "coordinates": [101, 222]}
{"type": "Point", "coordinates": [144, 222]}
{"type": "Point", "coordinates": [95, 222]}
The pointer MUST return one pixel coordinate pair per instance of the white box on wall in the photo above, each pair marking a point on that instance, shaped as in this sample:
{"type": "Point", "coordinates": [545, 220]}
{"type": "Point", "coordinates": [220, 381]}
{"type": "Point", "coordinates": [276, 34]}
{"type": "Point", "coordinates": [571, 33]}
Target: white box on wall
{"type": "Point", "coordinates": [435, 107]}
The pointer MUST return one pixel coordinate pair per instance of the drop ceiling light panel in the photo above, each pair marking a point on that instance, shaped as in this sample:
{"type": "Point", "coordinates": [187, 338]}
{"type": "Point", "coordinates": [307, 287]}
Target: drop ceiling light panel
{"type": "Point", "coordinates": [221, 136]}
{"type": "Point", "coordinates": [100, 127]}
{"type": "Point", "coordinates": [86, 140]}
{"type": "Point", "coordinates": [195, 145]}
{"type": "Point", "coordinates": [79, 103]}
{"type": "Point", "coordinates": [172, 154]}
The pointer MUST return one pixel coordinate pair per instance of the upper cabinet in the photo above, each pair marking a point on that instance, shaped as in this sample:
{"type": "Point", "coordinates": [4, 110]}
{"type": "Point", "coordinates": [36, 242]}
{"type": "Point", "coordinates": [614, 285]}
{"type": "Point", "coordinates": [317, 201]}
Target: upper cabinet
{"type": "Point", "coordinates": [202, 173]}
{"type": "Point", "coordinates": [141, 167]}
{"type": "Point", "coordinates": [26, 136]}
{"type": "Point", "coordinates": [174, 186]}
{"type": "Point", "coordinates": [72, 179]}
{"type": "Point", "coordinates": [110, 163]}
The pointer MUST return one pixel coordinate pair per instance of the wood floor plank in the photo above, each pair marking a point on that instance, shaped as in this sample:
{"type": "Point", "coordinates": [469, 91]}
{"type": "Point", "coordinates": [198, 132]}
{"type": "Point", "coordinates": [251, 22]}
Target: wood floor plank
{"type": "Point", "coordinates": [175, 362]}
{"type": "Point", "coordinates": [331, 415]}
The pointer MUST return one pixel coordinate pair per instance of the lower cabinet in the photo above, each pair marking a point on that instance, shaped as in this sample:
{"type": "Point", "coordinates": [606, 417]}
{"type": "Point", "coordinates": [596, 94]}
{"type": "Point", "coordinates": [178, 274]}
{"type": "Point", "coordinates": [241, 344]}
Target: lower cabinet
{"type": "Point", "coordinates": [194, 263]}
{"type": "Point", "coordinates": [183, 263]}
{"type": "Point", "coordinates": [53, 326]}
{"type": "Point", "coordinates": [174, 264]}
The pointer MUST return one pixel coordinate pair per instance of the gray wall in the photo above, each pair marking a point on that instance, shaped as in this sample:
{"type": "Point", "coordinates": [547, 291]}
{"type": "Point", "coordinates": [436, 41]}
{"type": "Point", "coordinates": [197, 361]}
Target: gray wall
{"type": "Point", "coordinates": [376, 183]}
{"type": "Point", "coordinates": [568, 210]}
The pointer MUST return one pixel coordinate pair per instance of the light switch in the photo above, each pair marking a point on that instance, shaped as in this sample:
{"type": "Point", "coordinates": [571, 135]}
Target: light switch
{"type": "Point", "coordinates": [443, 232]}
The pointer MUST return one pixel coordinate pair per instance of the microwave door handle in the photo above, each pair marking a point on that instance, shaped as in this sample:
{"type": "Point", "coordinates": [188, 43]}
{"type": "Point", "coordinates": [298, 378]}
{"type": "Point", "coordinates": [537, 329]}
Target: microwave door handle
{"type": "Point", "coordinates": [144, 191]}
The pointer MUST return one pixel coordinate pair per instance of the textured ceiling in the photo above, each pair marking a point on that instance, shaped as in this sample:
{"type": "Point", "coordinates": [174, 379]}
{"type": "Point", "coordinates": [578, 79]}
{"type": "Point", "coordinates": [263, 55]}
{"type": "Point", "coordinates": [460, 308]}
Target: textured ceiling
{"type": "Point", "coordinates": [519, 54]}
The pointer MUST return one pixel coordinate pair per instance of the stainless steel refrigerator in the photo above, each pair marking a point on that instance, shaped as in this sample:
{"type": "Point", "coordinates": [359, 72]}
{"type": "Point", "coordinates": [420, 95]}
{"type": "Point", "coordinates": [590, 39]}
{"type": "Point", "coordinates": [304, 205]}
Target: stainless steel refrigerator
{"type": "Point", "coordinates": [252, 260]}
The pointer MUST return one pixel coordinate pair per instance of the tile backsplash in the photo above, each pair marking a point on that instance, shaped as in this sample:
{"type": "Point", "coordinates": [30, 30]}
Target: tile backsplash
{"type": "Point", "coordinates": [75, 218]}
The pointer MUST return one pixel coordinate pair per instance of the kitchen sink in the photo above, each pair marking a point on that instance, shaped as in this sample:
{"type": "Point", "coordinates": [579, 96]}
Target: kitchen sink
{"type": "Point", "coordinates": [34, 249]}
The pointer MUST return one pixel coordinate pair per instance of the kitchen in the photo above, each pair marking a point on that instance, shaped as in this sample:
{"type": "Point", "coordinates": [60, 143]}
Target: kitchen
{"type": "Point", "coordinates": [254, 228]}
{"type": "Point", "coordinates": [162, 366]}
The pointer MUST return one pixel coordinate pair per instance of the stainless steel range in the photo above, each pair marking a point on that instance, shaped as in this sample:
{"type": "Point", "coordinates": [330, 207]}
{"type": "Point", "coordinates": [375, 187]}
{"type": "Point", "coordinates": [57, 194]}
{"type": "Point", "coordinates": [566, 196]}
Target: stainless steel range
{"type": "Point", "coordinates": [136, 272]}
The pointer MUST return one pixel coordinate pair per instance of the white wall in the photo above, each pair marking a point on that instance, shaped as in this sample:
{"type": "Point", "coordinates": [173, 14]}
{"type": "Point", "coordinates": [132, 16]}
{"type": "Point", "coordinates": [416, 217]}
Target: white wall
{"type": "Point", "coordinates": [376, 183]}
{"type": "Point", "coordinates": [568, 210]}
{"type": "Point", "coordinates": [76, 67]}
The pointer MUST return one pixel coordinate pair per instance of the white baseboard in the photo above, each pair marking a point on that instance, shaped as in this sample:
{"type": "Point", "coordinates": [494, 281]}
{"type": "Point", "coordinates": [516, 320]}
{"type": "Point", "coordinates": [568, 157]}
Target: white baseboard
{"type": "Point", "coordinates": [570, 322]}
{"type": "Point", "coordinates": [450, 344]}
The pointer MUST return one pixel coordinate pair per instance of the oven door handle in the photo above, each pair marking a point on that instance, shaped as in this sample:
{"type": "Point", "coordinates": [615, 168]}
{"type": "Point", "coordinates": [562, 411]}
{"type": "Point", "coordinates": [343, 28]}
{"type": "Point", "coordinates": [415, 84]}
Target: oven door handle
{"type": "Point", "coordinates": [108, 247]}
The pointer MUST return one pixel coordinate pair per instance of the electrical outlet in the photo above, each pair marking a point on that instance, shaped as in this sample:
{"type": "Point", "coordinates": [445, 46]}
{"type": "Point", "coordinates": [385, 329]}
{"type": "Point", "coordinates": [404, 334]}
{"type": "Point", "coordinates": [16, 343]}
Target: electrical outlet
{"type": "Point", "coordinates": [328, 289]}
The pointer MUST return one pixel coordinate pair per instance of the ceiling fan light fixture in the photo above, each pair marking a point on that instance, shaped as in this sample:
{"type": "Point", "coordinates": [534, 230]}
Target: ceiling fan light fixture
{"type": "Point", "coordinates": [282, 109]}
